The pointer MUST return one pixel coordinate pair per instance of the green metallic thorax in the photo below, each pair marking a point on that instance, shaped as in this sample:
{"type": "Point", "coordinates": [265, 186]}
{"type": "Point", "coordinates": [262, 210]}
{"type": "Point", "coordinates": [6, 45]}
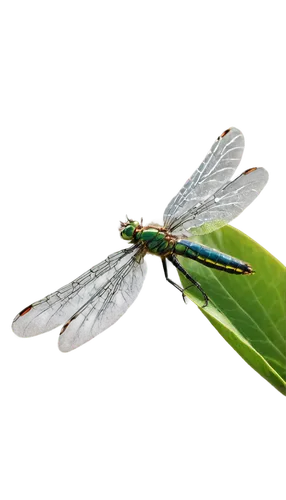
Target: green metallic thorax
{"type": "Point", "coordinates": [156, 240]}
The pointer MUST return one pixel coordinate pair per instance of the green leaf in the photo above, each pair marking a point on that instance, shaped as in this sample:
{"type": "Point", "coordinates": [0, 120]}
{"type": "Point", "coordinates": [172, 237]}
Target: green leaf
{"type": "Point", "coordinates": [249, 311]}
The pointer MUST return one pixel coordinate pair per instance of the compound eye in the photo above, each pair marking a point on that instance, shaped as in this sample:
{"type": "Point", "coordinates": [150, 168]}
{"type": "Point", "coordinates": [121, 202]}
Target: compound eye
{"type": "Point", "coordinates": [127, 232]}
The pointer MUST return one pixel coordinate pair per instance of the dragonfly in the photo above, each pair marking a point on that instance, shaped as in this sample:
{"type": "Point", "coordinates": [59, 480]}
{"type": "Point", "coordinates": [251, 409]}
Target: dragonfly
{"type": "Point", "coordinates": [208, 200]}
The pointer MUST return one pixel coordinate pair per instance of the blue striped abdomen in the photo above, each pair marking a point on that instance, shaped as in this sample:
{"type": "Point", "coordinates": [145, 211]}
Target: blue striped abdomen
{"type": "Point", "coordinates": [211, 257]}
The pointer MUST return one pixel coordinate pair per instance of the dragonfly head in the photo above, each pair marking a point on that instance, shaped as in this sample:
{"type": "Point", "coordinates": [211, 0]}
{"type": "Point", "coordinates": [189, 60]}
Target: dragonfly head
{"type": "Point", "coordinates": [128, 228]}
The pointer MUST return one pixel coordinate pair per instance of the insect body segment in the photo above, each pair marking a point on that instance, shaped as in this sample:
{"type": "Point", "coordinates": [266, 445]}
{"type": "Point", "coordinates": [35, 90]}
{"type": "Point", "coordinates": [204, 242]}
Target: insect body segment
{"type": "Point", "coordinates": [127, 229]}
{"type": "Point", "coordinates": [211, 257]}
{"type": "Point", "coordinates": [155, 240]}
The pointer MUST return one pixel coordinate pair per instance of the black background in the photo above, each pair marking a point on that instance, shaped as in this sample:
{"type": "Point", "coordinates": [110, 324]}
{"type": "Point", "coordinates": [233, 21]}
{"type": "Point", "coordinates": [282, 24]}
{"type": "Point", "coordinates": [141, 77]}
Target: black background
{"type": "Point", "coordinates": [79, 163]}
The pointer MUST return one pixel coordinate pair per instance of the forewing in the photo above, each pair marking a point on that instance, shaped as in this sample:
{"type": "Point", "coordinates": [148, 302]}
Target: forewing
{"type": "Point", "coordinates": [223, 206]}
{"type": "Point", "coordinates": [89, 305]}
{"type": "Point", "coordinates": [215, 171]}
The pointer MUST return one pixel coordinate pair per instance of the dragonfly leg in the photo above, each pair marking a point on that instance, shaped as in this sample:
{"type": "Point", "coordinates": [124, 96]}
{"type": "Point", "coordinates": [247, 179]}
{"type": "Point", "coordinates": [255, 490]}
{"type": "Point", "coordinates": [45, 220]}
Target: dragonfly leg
{"type": "Point", "coordinates": [177, 264]}
{"type": "Point", "coordinates": [168, 279]}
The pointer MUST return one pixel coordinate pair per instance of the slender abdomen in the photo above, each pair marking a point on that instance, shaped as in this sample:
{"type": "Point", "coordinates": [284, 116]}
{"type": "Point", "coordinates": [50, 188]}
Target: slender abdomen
{"type": "Point", "coordinates": [211, 257]}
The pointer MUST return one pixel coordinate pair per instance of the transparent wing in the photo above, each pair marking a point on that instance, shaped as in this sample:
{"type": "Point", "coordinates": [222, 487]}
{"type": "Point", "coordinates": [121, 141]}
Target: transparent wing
{"type": "Point", "coordinates": [216, 170]}
{"type": "Point", "coordinates": [89, 305]}
{"type": "Point", "coordinates": [224, 205]}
